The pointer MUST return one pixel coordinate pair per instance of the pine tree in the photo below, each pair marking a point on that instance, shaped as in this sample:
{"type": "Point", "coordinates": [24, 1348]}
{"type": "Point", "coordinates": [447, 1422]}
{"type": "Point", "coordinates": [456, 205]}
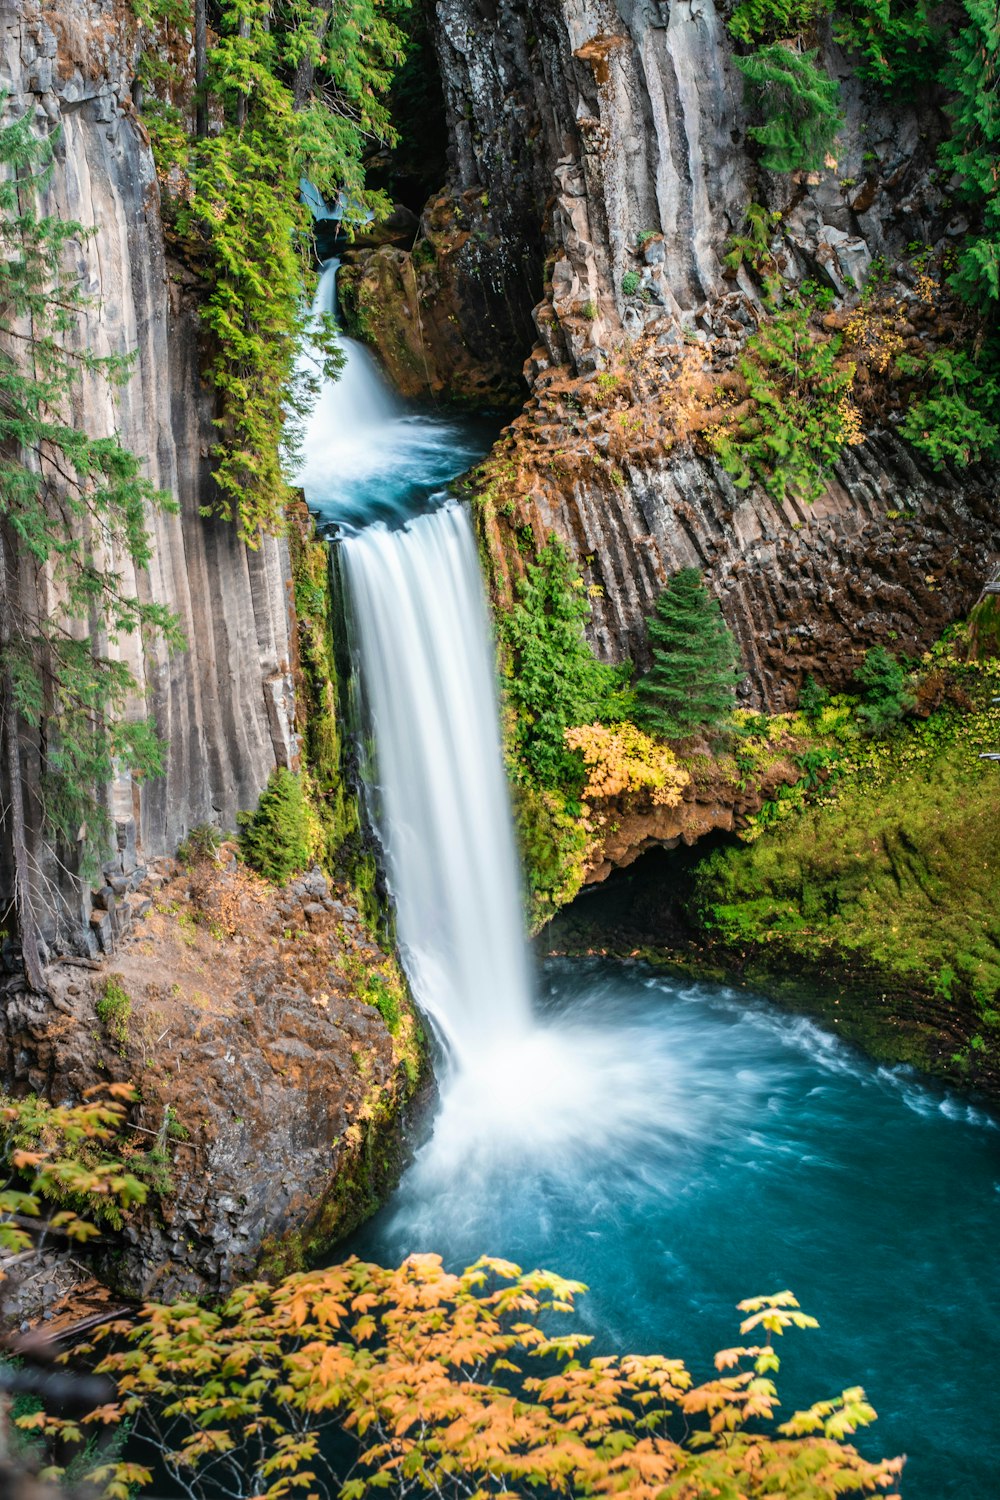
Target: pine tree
{"type": "Point", "coordinates": [72, 518]}
{"type": "Point", "coordinates": [799, 104]}
{"type": "Point", "coordinates": [691, 684]}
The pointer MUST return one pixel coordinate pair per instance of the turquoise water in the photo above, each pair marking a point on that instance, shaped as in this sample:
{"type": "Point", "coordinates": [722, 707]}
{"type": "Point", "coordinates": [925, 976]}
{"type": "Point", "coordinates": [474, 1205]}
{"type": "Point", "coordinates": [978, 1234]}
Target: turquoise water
{"type": "Point", "coordinates": [679, 1146]}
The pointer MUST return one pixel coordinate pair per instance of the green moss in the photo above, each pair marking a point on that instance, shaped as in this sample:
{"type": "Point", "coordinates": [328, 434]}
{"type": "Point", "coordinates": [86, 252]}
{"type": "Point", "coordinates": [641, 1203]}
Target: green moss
{"type": "Point", "coordinates": [554, 844]}
{"type": "Point", "coordinates": [892, 873]}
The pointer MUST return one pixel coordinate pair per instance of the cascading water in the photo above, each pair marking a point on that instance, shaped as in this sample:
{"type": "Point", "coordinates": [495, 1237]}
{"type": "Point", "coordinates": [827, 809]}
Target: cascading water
{"type": "Point", "coordinates": [427, 667]}
{"type": "Point", "coordinates": [678, 1146]}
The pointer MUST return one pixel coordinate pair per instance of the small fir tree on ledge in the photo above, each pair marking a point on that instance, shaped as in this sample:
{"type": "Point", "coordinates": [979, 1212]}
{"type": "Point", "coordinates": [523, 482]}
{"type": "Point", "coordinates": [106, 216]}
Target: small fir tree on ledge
{"type": "Point", "coordinates": [692, 682]}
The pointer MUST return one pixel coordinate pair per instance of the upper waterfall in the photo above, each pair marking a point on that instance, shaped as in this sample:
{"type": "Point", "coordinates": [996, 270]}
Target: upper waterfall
{"type": "Point", "coordinates": [424, 657]}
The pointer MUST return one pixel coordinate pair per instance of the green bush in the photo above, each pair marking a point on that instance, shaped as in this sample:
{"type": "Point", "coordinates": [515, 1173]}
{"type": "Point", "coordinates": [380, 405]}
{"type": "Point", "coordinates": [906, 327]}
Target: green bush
{"type": "Point", "coordinates": [956, 419]}
{"type": "Point", "coordinates": [898, 44]}
{"type": "Point", "coordinates": [799, 105]}
{"type": "Point", "coordinates": [114, 1011]}
{"type": "Point", "coordinates": [630, 283]}
{"type": "Point", "coordinates": [201, 843]}
{"type": "Point", "coordinates": [800, 413]}
{"type": "Point", "coordinates": [556, 681]}
{"type": "Point", "coordinates": [884, 682]}
{"type": "Point", "coordinates": [973, 152]}
{"type": "Point", "coordinates": [691, 684]}
{"type": "Point", "coordinates": [279, 839]}
{"type": "Point", "coordinates": [770, 20]}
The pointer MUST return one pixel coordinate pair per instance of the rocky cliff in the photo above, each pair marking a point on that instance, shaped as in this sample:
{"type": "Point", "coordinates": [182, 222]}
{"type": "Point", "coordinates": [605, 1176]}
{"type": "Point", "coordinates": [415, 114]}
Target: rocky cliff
{"type": "Point", "coordinates": [608, 146]}
{"type": "Point", "coordinates": [224, 704]}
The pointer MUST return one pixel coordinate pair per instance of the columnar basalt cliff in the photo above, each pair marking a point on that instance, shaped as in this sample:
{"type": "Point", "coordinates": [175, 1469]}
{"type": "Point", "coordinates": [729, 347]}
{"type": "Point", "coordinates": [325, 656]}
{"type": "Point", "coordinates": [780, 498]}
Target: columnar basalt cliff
{"type": "Point", "coordinates": [224, 704]}
{"type": "Point", "coordinates": [612, 141]}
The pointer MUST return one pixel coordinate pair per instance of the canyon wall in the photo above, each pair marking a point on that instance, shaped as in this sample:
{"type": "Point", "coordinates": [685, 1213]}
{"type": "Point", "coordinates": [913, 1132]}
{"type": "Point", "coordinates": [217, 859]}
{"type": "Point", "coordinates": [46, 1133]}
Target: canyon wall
{"type": "Point", "coordinates": [611, 140]}
{"type": "Point", "coordinates": [224, 704]}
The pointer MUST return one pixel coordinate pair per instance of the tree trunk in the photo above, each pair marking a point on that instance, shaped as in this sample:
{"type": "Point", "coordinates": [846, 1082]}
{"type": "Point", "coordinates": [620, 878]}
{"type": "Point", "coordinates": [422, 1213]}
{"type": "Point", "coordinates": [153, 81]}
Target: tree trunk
{"type": "Point", "coordinates": [12, 760]}
{"type": "Point", "coordinates": [305, 73]}
{"type": "Point", "coordinates": [241, 103]}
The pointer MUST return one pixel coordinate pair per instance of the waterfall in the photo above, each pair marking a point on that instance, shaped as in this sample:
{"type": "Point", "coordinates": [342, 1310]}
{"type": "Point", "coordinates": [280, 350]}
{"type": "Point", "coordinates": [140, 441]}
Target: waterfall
{"type": "Point", "coordinates": [423, 653]}
{"type": "Point", "coordinates": [427, 670]}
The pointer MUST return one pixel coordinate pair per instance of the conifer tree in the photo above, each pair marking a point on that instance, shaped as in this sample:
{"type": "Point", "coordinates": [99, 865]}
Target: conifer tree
{"type": "Point", "coordinates": [72, 519]}
{"type": "Point", "coordinates": [799, 104]}
{"type": "Point", "coordinates": [691, 684]}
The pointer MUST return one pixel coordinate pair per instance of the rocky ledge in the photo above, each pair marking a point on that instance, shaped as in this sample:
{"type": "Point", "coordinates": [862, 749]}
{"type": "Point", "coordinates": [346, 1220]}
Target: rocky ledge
{"type": "Point", "coordinates": [273, 1047]}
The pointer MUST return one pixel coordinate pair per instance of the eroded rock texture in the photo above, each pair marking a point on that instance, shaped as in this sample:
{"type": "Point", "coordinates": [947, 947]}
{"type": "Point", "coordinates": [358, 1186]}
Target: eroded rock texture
{"type": "Point", "coordinates": [224, 705]}
{"type": "Point", "coordinates": [613, 137]}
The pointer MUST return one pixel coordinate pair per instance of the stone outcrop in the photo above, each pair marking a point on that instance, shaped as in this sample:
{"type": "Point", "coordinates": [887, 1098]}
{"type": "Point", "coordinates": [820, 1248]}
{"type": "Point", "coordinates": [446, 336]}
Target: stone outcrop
{"type": "Point", "coordinates": [271, 1088]}
{"type": "Point", "coordinates": [224, 705]}
{"type": "Point", "coordinates": [715, 800]}
{"type": "Point", "coordinates": [615, 134]}
{"type": "Point", "coordinates": [450, 319]}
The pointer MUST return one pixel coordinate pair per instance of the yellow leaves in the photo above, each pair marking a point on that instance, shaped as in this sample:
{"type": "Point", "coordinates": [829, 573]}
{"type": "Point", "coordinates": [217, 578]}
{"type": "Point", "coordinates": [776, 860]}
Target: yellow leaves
{"type": "Point", "coordinates": [621, 759]}
{"type": "Point", "coordinates": [415, 1372]}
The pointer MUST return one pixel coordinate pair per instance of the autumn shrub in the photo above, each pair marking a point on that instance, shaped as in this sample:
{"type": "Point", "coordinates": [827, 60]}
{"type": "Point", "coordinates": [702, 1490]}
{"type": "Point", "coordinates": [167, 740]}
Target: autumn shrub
{"type": "Point", "coordinates": [458, 1385]}
{"type": "Point", "coordinates": [622, 759]}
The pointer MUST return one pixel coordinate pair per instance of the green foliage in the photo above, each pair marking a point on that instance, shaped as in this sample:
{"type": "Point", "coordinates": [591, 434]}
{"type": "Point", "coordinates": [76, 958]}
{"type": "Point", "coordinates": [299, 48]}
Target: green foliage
{"type": "Point", "coordinates": [799, 105]}
{"type": "Point", "coordinates": [630, 283]}
{"type": "Point", "coordinates": [889, 866]}
{"type": "Point", "coordinates": [203, 842]}
{"type": "Point", "coordinates": [296, 91]}
{"type": "Point", "coordinates": [770, 20]}
{"type": "Point", "coordinates": [751, 247]}
{"type": "Point", "coordinates": [955, 417]}
{"type": "Point", "coordinates": [74, 505]}
{"type": "Point", "coordinates": [58, 1171]}
{"type": "Point", "coordinates": [279, 839]}
{"type": "Point", "coordinates": [556, 681]}
{"type": "Point", "coordinates": [813, 698]}
{"type": "Point", "coordinates": [554, 843]}
{"type": "Point", "coordinates": [801, 412]}
{"type": "Point", "coordinates": [973, 151]}
{"type": "Point", "coordinates": [885, 695]}
{"type": "Point", "coordinates": [898, 43]}
{"type": "Point", "coordinates": [114, 1011]}
{"type": "Point", "coordinates": [691, 684]}
{"type": "Point", "coordinates": [379, 992]}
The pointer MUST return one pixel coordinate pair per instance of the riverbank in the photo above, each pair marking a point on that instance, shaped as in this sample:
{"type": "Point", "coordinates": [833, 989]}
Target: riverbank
{"type": "Point", "coordinates": [869, 900]}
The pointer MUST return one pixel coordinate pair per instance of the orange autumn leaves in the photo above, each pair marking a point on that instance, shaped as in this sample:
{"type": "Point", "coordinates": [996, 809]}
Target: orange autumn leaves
{"type": "Point", "coordinates": [431, 1373]}
{"type": "Point", "coordinates": [620, 758]}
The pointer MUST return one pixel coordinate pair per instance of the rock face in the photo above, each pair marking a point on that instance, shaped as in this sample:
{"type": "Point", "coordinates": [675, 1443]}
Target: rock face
{"type": "Point", "coordinates": [450, 319]}
{"type": "Point", "coordinates": [270, 1087]}
{"type": "Point", "coordinates": [224, 705]}
{"type": "Point", "coordinates": [616, 134]}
